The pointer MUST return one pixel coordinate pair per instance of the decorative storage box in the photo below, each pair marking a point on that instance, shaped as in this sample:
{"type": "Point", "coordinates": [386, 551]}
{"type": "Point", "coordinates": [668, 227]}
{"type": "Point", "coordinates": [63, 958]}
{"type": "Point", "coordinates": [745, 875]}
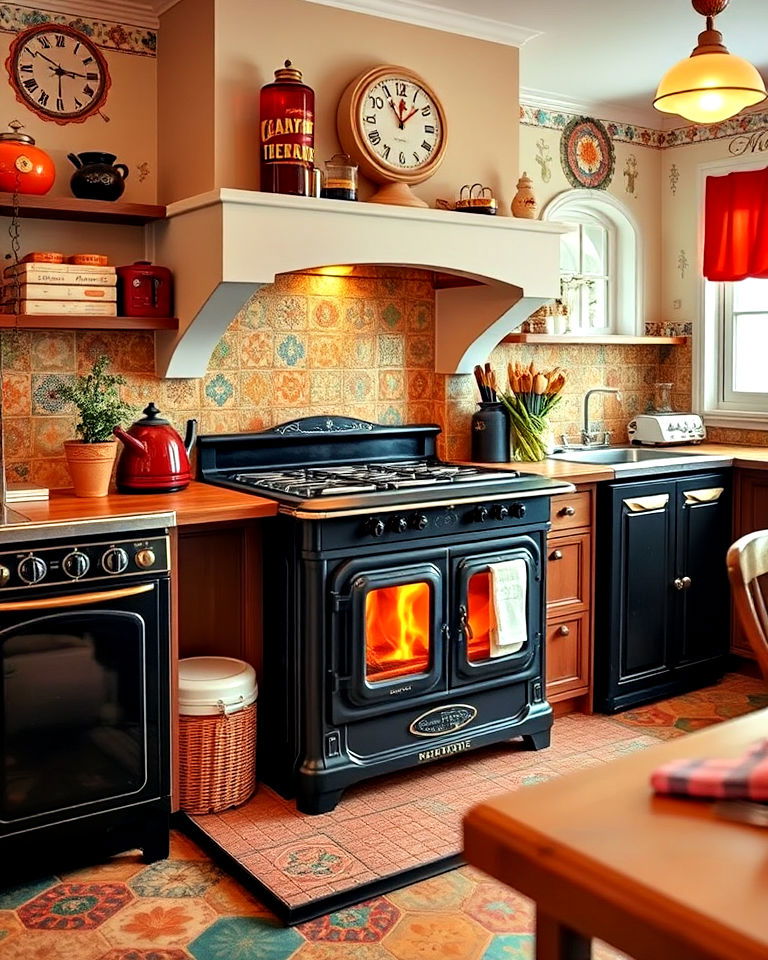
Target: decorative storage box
{"type": "Point", "coordinates": [217, 733]}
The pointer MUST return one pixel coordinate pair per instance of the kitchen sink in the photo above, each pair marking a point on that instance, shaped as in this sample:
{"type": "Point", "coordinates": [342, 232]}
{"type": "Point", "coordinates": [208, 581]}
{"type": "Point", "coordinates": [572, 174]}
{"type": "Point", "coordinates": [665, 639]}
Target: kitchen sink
{"type": "Point", "coordinates": [616, 455]}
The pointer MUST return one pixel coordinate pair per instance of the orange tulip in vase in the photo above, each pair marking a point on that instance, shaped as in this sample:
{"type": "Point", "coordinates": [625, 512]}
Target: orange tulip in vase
{"type": "Point", "coordinates": [91, 458]}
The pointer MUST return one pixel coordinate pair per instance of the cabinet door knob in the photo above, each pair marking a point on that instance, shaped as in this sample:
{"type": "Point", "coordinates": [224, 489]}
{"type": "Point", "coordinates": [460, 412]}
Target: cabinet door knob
{"type": "Point", "coordinates": [563, 630]}
{"type": "Point", "coordinates": [567, 511]}
{"type": "Point", "coordinates": [556, 555]}
{"type": "Point", "coordinates": [682, 583]}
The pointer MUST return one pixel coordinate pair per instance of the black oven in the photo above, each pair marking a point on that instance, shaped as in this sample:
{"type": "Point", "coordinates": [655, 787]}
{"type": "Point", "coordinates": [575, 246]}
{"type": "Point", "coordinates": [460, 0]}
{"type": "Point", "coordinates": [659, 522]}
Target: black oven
{"type": "Point", "coordinates": [84, 695]}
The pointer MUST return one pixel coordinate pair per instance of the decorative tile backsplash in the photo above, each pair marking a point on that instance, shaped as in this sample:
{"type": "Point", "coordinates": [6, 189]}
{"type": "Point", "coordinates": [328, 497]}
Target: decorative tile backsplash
{"type": "Point", "coordinates": [361, 345]}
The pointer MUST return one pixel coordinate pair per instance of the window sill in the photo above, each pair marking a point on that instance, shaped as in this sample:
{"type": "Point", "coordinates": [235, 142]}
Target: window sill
{"type": "Point", "coordinates": [735, 420]}
{"type": "Point", "coordinates": [612, 338]}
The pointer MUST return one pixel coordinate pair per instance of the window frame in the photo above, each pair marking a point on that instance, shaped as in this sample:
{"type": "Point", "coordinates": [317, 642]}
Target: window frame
{"type": "Point", "coordinates": [580, 220]}
{"type": "Point", "coordinates": [625, 255]}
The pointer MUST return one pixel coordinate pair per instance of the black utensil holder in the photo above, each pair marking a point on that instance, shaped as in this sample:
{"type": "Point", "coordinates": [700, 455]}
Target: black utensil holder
{"type": "Point", "coordinates": [490, 434]}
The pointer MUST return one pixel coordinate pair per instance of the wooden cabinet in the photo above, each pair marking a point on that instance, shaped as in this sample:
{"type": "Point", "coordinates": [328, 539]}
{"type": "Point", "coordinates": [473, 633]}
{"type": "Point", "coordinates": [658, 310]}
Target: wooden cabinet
{"type": "Point", "coordinates": [570, 549]}
{"type": "Point", "coordinates": [750, 513]}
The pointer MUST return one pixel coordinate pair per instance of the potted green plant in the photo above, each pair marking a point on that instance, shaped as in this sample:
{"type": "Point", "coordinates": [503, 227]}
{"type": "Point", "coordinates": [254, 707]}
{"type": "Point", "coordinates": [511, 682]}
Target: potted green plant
{"type": "Point", "coordinates": [97, 398]}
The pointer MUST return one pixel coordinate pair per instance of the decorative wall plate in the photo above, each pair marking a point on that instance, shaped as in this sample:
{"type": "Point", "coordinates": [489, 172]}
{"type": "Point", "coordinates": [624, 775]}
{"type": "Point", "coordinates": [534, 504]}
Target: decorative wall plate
{"type": "Point", "coordinates": [587, 153]}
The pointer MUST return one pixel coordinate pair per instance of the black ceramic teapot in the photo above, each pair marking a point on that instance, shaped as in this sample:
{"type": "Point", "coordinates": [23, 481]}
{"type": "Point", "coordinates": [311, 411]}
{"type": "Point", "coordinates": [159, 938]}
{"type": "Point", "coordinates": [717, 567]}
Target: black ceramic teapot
{"type": "Point", "coordinates": [97, 176]}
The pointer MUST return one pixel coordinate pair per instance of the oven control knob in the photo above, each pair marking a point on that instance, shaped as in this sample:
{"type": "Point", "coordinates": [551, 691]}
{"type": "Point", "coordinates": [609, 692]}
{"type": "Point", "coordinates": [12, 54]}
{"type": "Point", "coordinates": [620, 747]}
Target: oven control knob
{"type": "Point", "coordinates": [500, 511]}
{"type": "Point", "coordinates": [518, 510]}
{"type": "Point", "coordinates": [5, 575]}
{"type": "Point", "coordinates": [399, 524]}
{"type": "Point", "coordinates": [75, 564]}
{"type": "Point", "coordinates": [481, 514]}
{"type": "Point", "coordinates": [376, 527]}
{"type": "Point", "coordinates": [115, 560]}
{"type": "Point", "coordinates": [145, 558]}
{"type": "Point", "coordinates": [32, 569]}
{"type": "Point", "coordinates": [420, 521]}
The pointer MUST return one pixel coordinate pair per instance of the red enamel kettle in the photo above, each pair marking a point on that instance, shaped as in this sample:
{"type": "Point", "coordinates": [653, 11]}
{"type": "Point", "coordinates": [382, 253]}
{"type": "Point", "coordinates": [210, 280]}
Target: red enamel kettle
{"type": "Point", "coordinates": [155, 458]}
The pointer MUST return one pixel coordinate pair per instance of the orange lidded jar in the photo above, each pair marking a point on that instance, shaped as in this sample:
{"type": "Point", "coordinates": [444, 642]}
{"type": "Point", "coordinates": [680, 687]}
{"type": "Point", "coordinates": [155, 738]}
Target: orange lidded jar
{"type": "Point", "coordinates": [287, 133]}
{"type": "Point", "coordinates": [23, 166]}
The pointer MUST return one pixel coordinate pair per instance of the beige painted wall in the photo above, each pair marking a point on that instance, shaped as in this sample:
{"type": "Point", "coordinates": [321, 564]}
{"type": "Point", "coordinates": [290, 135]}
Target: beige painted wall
{"type": "Point", "coordinates": [476, 80]}
{"type": "Point", "coordinates": [131, 132]}
{"type": "Point", "coordinates": [644, 204]}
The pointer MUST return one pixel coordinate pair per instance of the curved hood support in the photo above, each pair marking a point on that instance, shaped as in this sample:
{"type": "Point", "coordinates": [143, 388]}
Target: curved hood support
{"type": "Point", "coordinates": [225, 245]}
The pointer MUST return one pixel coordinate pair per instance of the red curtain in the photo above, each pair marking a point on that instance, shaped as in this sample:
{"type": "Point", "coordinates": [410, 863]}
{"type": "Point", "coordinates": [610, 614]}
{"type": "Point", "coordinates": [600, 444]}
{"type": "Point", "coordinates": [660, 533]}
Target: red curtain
{"type": "Point", "coordinates": [736, 226]}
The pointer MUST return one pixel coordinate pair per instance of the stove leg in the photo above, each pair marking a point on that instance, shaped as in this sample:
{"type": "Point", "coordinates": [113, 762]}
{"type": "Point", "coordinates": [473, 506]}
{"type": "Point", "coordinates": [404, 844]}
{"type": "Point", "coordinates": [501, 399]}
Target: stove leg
{"type": "Point", "coordinates": [318, 802]}
{"type": "Point", "coordinates": [536, 741]}
{"type": "Point", "coordinates": [156, 845]}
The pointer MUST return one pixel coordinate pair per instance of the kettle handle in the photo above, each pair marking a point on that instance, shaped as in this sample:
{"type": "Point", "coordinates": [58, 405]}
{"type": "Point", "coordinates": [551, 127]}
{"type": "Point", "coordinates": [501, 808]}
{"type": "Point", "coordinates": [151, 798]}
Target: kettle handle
{"type": "Point", "coordinates": [122, 170]}
{"type": "Point", "coordinates": [74, 160]}
{"type": "Point", "coordinates": [190, 436]}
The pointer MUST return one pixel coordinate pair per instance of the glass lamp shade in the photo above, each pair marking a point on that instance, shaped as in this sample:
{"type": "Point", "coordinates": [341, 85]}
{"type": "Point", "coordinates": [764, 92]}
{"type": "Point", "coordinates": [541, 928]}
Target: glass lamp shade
{"type": "Point", "coordinates": [709, 87]}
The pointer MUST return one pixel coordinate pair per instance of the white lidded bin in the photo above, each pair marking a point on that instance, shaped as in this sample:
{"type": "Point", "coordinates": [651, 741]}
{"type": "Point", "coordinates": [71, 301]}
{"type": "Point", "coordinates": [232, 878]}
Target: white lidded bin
{"type": "Point", "coordinates": [217, 733]}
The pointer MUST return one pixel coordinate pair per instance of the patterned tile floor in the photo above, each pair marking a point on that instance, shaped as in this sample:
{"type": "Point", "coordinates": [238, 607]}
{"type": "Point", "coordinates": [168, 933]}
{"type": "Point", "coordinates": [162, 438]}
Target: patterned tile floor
{"type": "Point", "coordinates": [185, 908]}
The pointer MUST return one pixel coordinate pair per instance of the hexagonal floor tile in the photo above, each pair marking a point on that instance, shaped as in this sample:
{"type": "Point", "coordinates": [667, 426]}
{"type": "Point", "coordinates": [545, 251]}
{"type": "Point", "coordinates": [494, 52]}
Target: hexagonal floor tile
{"type": "Point", "coordinates": [14, 896]}
{"type": "Point", "coordinates": [447, 891]}
{"type": "Point", "coordinates": [151, 954]}
{"type": "Point", "coordinates": [159, 922]}
{"type": "Point", "coordinates": [510, 946]}
{"type": "Point", "coordinates": [75, 906]}
{"type": "Point", "coordinates": [246, 938]}
{"type": "Point", "coordinates": [419, 936]}
{"type": "Point", "coordinates": [367, 922]}
{"type": "Point", "coordinates": [176, 878]}
{"type": "Point", "coordinates": [341, 951]}
{"type": "Point", "coordinates": [55, 945]}
{"type": "Point", "coordinates": [500, 909]}
{"type": "Point", "coordinates": [229, 899]}
{"type": "Point", "coordinates": [9, 926]}
{"type": "Point", "coordinates": [122, 867]}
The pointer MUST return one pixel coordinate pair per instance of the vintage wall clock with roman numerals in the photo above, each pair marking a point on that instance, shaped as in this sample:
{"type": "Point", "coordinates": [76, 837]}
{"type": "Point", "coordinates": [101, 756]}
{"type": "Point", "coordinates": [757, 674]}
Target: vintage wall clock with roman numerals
{"type": "Point", "coordinates": [393, 125]}
{"type": "Point", "coordinates": [58, 72]}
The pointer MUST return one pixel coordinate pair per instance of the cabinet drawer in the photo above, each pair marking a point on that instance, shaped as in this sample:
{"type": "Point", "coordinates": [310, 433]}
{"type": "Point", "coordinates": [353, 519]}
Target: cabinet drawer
{"type": "Point", "coordinates": [567, 656]}
{"type": "Point", "coordinates": [571, 510]}
{"type": "Point", "coordinates": [568, 574]}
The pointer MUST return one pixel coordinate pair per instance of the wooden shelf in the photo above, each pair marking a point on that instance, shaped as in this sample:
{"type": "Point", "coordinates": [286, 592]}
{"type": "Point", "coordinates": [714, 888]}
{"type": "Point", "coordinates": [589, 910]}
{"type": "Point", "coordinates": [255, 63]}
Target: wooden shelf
{"type": "Point", "coordinates": [618, 339]}
{"type": "Point", "coordinates": [50, 321]}
{"type": "Point", "coordinates": [91, 211]}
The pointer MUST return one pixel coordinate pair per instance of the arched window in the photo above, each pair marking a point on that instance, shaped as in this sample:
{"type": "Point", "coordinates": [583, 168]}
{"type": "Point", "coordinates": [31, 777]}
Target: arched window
{"type": "Point", "coordinates": [600, 268]}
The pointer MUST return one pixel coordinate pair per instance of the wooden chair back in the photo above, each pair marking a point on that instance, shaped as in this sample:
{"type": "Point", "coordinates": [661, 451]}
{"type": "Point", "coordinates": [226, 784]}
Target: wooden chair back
{"type": "Point", "coordinates": [747, 561]}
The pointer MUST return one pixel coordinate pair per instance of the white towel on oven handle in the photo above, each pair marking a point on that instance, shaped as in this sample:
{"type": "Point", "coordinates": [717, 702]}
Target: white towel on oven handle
{"type": "Point", "coordinates": [509, 623]}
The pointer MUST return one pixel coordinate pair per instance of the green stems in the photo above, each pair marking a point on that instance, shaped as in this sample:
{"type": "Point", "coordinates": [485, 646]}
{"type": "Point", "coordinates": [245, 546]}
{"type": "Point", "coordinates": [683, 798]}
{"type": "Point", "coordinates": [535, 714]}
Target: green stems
{"type": "Point", "coordinates": [527, 416]}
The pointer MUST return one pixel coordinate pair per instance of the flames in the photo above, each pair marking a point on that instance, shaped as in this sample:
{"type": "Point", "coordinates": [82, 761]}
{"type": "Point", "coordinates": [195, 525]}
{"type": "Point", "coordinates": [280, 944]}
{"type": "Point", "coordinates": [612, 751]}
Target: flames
{"type": "Point", "coordinates": [397, 631]}
{"type": "Point", "coordinates": [479, 616]}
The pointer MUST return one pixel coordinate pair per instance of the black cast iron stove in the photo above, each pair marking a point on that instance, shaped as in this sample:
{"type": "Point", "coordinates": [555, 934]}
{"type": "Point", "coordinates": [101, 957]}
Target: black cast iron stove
{"type": "Point", "coordinates": [378, 652]}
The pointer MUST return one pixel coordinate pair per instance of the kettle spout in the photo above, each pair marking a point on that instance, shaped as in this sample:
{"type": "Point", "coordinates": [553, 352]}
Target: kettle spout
{"type": "Point", "coordinates": [129, 441]}
{"type": "Point", "coordinates": [190, 436]}
{"type": "Point", "coordinates": [74, 160]}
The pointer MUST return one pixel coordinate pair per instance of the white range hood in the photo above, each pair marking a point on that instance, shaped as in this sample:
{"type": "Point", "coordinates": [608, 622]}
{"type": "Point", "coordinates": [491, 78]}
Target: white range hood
{"type": "Point", "coordinates": [225, 245]}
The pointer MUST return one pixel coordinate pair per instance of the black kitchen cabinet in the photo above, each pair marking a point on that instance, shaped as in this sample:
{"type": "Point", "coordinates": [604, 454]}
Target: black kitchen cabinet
{"type": "Point", "coordinates": [662, 598]}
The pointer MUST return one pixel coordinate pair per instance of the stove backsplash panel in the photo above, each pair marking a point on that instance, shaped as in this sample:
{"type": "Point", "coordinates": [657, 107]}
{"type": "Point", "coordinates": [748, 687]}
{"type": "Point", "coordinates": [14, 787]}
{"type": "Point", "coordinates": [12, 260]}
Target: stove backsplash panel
{"type": "Point", "coordinates": [361, 345]}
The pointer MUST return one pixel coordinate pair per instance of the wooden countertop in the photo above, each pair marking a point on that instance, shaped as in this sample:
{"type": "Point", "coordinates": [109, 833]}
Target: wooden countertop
{"type": "Point", "coordinates": [199, 503]}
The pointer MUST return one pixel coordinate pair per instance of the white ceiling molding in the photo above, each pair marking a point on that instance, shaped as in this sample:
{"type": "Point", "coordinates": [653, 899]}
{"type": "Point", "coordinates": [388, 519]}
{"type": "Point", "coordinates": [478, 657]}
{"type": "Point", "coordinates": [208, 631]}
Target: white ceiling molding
{"type": "Point", "coordinates": [617, 112]}
{"type": "Point", "coordinates": [137, 13]}
{"type": "Point", "coordinates": [429, 15]}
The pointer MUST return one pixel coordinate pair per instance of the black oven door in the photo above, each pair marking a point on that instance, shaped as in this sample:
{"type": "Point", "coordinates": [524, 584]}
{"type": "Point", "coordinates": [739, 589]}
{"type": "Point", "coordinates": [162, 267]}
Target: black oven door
{"type": "Point", "coordinates": [478, 650]}
{"type": "Point", "coordinates": [387, 631]}
{"type": "Point", "coordinates": [83, 702]}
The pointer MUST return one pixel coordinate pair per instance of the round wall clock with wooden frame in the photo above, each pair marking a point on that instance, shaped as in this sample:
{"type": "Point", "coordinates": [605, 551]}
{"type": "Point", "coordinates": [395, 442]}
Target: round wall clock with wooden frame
{"type": "Point", "coordinates": [58, 73]}
{"type": "Point", "coordinates": [393, 125]}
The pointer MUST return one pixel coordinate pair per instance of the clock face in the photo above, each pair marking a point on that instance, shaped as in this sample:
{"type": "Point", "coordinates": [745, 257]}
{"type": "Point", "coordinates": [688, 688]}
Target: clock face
{"type": "Point", "coordinates": [401, 123]}
{"type": "Point", "coordinates": [58, 72]}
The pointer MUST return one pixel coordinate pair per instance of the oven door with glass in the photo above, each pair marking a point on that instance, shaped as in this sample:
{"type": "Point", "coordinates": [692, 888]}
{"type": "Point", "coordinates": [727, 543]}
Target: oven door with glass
{"type": "Point", "coordinates": [387, 633]}
{"type": "Point", "coordinates": [497, 595]}
{"type": "Point", "coordinates": [83, 702]}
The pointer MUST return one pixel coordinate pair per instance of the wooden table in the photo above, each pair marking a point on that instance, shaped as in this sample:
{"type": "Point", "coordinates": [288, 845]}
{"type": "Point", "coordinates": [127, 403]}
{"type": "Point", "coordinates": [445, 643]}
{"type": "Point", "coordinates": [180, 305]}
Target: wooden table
{"type": "Point", "coordinates": [659, 878]}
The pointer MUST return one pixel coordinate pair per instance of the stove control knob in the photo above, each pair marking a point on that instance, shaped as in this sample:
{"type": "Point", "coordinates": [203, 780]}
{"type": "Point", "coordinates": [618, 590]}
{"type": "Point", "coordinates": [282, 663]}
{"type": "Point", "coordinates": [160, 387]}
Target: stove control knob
{"type": "Point", "coordinates": [420, 521]}
{"type": "Point", "coordinates": [32, 569]}
{"type": "Point", "coordinates": [75, 564]}
{"type": "Point", "coordinates": [145, 558]}
{"type": "Point", "coordinates": [518, 510]}
{"type": "Point", "coordinates": [399, 524]}
{"type": "Point", "coordinates": [5, 575]}
{"type": "Point", "coordinates": [481, 514]}
{"type": "Point", "coordinates": [115, 560]}
{"type": "Point", "coordinates": [501, 511]}
{"type": "Point", "coordinates": [376, 527]}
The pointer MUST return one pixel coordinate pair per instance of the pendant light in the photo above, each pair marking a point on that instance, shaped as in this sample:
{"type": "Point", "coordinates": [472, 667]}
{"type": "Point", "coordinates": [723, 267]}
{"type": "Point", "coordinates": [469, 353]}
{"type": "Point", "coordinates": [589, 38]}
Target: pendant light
{"type": "Point", "coordinates": [712, 84]}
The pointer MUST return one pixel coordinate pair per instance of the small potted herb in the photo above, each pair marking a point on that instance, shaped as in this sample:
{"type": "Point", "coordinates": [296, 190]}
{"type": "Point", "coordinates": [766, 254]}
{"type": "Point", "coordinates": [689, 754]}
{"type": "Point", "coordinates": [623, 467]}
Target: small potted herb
{"type": "Point", "coordinates": [91, 458]}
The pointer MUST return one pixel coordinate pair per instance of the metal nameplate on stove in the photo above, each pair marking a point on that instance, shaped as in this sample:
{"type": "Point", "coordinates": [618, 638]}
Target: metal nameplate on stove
{"type": "Point", "coordinates": [441, 720]}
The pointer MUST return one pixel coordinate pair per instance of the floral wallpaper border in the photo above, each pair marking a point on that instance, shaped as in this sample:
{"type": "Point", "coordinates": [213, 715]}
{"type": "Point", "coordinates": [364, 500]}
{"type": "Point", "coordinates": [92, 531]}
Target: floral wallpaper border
{"type": "Point", "coordinates": [124, 38]}
{"type": "Point", "coordinates": [534, 116]}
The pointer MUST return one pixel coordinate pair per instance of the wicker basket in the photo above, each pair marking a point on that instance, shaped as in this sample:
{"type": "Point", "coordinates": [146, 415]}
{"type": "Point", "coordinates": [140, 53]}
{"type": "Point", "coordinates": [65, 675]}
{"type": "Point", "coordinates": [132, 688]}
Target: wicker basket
{"type": "Point", "coordinates": [217, 760]}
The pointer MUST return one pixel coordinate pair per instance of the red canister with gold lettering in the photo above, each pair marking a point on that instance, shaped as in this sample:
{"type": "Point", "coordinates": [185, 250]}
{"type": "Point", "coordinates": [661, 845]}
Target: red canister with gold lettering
{"type": "Point", "coordinates": [287, 126]}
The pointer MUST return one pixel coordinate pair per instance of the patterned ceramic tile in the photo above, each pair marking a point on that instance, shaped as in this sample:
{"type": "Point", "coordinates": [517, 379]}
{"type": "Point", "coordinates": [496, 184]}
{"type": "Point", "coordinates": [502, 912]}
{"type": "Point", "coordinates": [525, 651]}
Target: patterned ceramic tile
{"type": "Point", "coordinates": [49, 434]}
{"type": "Point", "coordinates": [55, 945]}
{"type": "Point", "coordinates": [420, 315]}
{"type": "Point", "coordinates": [245, 938]}
{"type": "Point", "coordinates": [52, 351]}
{"type": "Point", "coordinates": [45, 394]}
{"type": "Point", "coordinates": [325, 351]}
{"type": "Point", "coordinates": [290, 389]}
{"type": "Point", "coordinates": [510, 946]}
{"type": "Point", "coordinates": [225, 353]}
{"type": "Point", "coordinates": [326, 386]}
{"type": "Point", "coordinates": [325, 314]}
{"type": "Point", "coordinates": [257, 350]}
{"type": "Point", "coordinates": [359, 352]}
{"type": "Point", "coordinates": [75, 906]}
{"type": "Point", "coordinates": [131, 953]}
{"type": "Point", "coordinates": [390, 350]}
{"type": "Point", "coordinates": [391, 385]}
{"type": "Point", "coordinates": [359, 315]}
{"type": "Point", "coordinates": [256, 388]}
{"type": "Point", "coordinates": [228, 899]}
{"type": "Point", "coordinates": [426, 935]}
{"type": "Point", "coordinates": [290, 351]}
{"type": "Point", "coordinates": [447, 891]}
{"type": "Point", "coordinates": [287, 313]}
{"type": "Point", "coordinates": [15, 350]}
{"type": "Point", "coordinates": [391, 316]}
{"type": "Point", "coordinates": [17, 437]}
{"type": "Point", "coordinates": [500, 909]}
{"type": "Point", "coordinates": [391, 414]}
{"type": "Point", "coordinates": [219, 391]}
{"type": "Point", "coordinates": [420, 350]}
{"type": "Point", "coordinates": [365, 923]}
{"type": "Point", "coordinates": [178, 878]}
{"type": "Point", "coordinates": [159, 922]}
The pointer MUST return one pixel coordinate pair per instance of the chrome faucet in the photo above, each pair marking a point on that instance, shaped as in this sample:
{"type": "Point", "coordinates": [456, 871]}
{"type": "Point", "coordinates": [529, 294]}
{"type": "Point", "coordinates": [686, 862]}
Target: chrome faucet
{"type": "Point", "coordinates": [590, 437]}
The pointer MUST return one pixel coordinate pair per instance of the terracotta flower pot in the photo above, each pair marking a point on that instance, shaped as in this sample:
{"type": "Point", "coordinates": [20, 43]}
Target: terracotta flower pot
{"type": "Point", "coordinates": [90, 466]}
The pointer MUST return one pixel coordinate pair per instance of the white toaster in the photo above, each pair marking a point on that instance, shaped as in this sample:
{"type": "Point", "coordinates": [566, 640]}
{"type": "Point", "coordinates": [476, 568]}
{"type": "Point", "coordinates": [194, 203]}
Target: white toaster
{"type": "Point", "coordinates": [656, 429]}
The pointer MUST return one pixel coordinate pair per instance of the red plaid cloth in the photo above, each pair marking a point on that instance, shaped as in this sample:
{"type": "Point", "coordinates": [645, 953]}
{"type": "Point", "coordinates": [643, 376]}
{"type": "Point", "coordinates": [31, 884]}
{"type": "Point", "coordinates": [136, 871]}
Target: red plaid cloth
{"type": "Point", "coordinates": [739, 778]}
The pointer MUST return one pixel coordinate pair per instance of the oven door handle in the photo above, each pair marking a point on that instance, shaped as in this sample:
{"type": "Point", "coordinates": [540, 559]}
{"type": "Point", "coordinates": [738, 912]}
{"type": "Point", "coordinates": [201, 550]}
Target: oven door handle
{"type": "Point", "coordinates": [76, 600]}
